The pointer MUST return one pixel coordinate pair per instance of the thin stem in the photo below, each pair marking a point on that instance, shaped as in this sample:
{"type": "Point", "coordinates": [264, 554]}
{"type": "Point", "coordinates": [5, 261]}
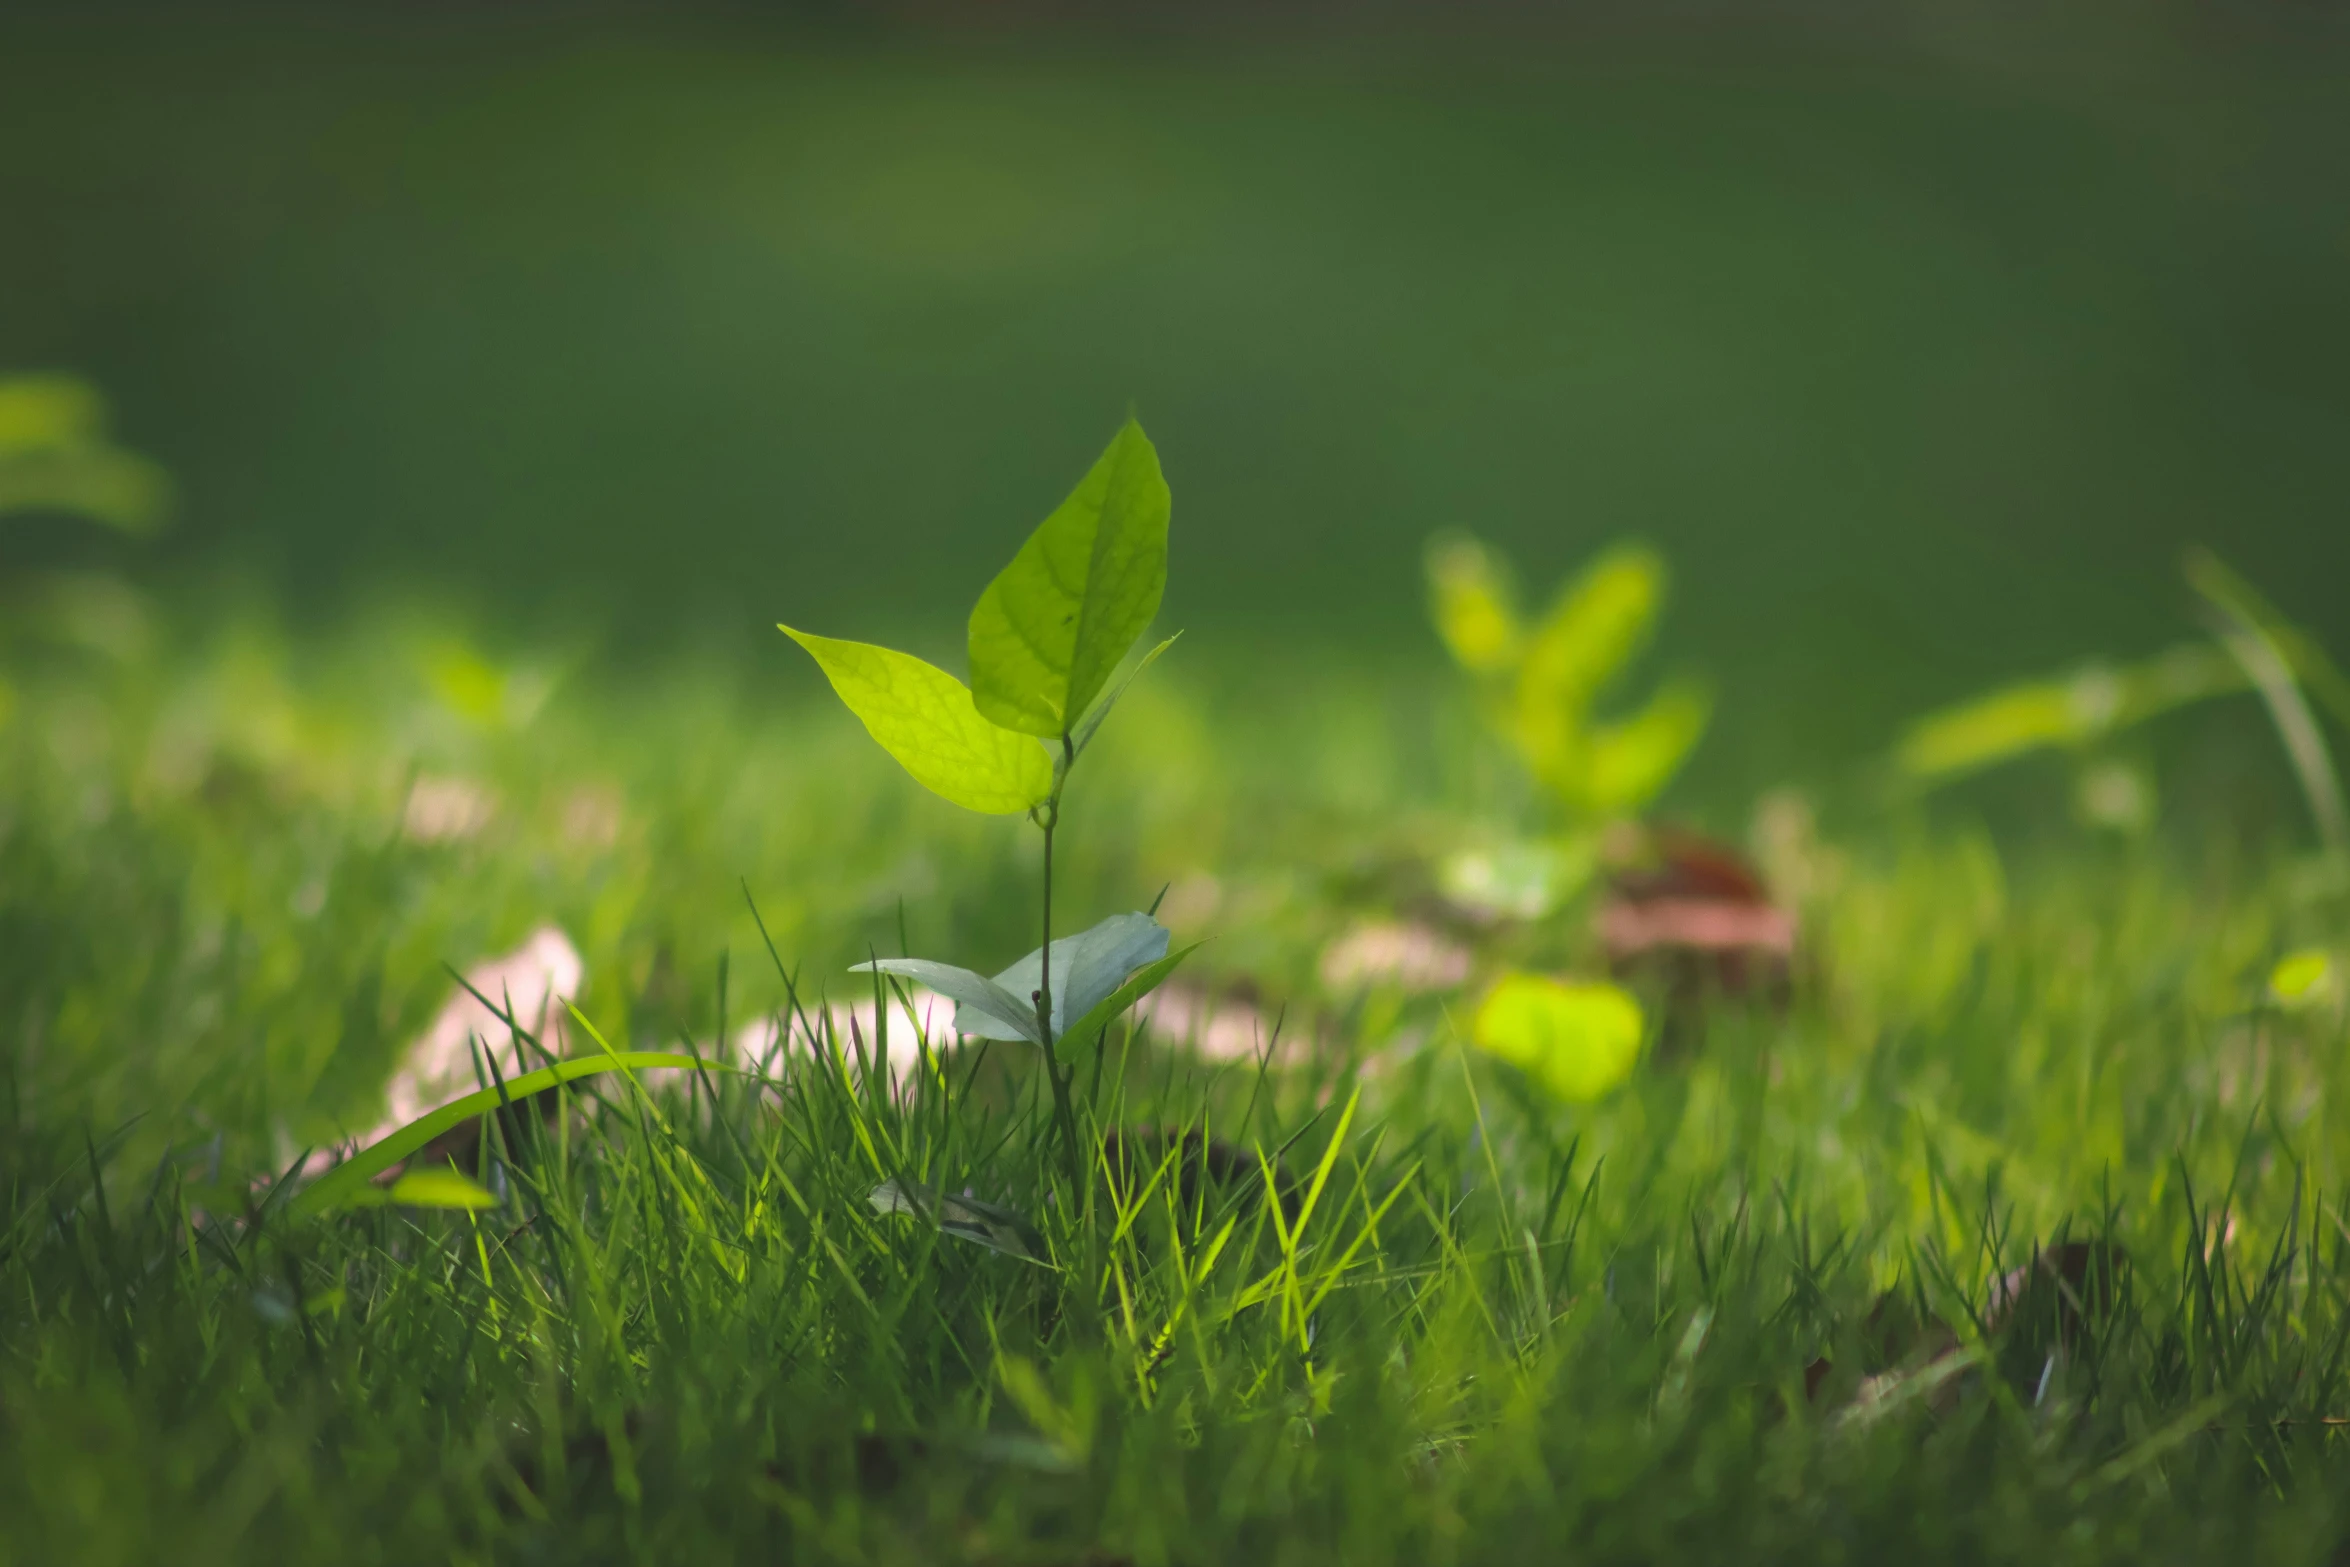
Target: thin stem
{"type": "Point", "coordinates": [1059, 1073]}
{"type": "Point", "coordinates": [1044, 971]}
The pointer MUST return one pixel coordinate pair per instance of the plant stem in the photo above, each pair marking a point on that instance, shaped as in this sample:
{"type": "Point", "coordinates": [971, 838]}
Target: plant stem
{"type": "Point", "coordinates": [1044, 958]}
{"type": "Point", "coordinates": [1064, 1112]}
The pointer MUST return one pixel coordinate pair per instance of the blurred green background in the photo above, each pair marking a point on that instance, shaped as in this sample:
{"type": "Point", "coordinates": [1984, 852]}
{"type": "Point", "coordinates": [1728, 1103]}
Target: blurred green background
{"type": "Point", "coordinates": [1920, 353]}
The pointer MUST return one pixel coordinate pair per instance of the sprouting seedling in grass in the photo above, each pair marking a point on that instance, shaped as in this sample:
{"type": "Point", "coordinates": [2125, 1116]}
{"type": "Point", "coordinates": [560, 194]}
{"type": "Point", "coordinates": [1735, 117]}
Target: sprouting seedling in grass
{"type": "Point", "coordinates": [2253, 647]}
{"type": "Point", "coordinates": [1045, 639]}
{"type": "Point", "coordinates": [1540, 686]}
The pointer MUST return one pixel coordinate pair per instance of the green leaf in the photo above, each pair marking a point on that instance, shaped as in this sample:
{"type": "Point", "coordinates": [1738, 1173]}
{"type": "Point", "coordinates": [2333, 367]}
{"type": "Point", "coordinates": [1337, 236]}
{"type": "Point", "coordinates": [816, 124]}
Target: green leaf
{"type": "Point", "coordinates": [1475, 612]}
{"type": "Point", "coordinates": [976, 997]}
{"type": "Point", "coordinates": [1594, 628]}
{"type": "Point", "coordinates": [1095, 975]}
{"type": "Point", "coordinates": [2303, 980]}
{"type": "Point", "coordinates": [1052, 626]}
{"type": "Point", "coordinates": [924, 717]}
{"type": "Point", "coordinates": [1138, 984]}
{"type": "Point", "coordinates": [1101, 709]}
{"type": "Point", "coordinates": [54, 456]}
{"type": "Point", "coordinates": [2076, 710]}
{"type": "Point", "coordinates": [124, 491]}
{"type": "Point", "coordinates": [1519, 880]}
{"type": "Point", "coordinates": [1628, 763]}
{"type": "Point", "coordinates": [348, 1180]}
{"type": "Point", "coordinates": [49, 413]}
{"type": "Point", "coordinates": [1599, 621]}
{"type": "Point", "coordinates": [1578, 1040]}
{"type": "Point", "coordinates": [2010, 721]}
{"type": "Point", "coordinates": [1087, 967]}
{"type": "Point", "coordinates": [442, 1188]}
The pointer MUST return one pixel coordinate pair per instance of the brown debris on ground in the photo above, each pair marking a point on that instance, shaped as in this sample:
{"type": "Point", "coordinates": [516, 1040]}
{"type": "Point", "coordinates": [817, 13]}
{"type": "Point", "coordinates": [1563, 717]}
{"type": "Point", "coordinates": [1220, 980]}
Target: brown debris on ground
{"type": "Point", "coordinates": [2065, 1284]}
{"type": "Point", "coordinates": [1696, 913]}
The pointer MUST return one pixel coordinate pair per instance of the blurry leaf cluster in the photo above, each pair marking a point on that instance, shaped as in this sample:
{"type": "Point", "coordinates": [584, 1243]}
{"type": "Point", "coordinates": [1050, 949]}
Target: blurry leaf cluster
{"type": "Point", "coordinates": [56, 456]}
{"type": "Point", "coordinates": [1540, 683]}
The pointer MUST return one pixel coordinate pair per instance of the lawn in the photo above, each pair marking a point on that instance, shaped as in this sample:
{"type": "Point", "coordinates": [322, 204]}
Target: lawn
{"type": "Point", "coordinates": [1746, 1305]}
{"type": "Point", "coordinates": [1748, 1101]}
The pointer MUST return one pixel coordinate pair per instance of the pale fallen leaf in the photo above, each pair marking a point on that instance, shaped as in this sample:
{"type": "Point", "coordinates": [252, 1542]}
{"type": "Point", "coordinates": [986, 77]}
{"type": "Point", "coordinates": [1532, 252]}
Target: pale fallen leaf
{"type": "Point", "coordinates": [771, 1040]}
{"type": "Point", "coordinates": [535, 979]}
{"type": "Point", "coordinates": [446, 810]}
{"type": "Point", "coordinates": [592, 815]}
{"type": "Point", "coordinates": [1405, 957]}
{"type": "Point", "coordinates": [1219, 1030]}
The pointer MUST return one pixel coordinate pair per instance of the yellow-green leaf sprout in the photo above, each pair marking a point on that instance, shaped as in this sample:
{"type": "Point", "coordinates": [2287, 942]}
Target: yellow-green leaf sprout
{"type": "Point", "coordinates": [1579, 1039]}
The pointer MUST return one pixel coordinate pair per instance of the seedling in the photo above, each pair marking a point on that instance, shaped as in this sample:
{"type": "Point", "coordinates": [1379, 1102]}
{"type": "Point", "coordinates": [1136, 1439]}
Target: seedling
{"type": "Point", "coordinates": [1539, 687]}
{"type": "Point", "coordinates": [1045, 638]}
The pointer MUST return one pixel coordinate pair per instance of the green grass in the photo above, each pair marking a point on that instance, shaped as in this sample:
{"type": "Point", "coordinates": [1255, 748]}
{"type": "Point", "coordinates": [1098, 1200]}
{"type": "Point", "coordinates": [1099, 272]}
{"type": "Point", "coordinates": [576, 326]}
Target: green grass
{"type": "Point", "coordinates": [1479, 1327]}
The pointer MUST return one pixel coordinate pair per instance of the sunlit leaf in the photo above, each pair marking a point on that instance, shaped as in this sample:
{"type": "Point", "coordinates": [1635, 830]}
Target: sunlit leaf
{"type": "Point", "coordinates": [1522, 880]}
{"type": "Point", "coordinates": [120, 489]}
{"type": "Point", "coordinates": [967, 1218]}
{"type": "Point", "coordinates": [2304, 980]}
{"type": "Point", "coordinates": [982, 1005]}
{"type": "Point", "coordinates": [1051, 627]}
{"type": "Point", "coordinates": [54, 456]}
{"type": "Point", "coordinates": [48, 412]}
{"type": "Point", "coordinates": [1579, 1040]}
{"type": "Point", "coordinates": [348, 1181]}
{"type": "Point", "coordinates": [1474, 608]}
{"type": "Point", "coordinates": [924, 717]}
{"type": "Point", "coordinates": [2073, 711]}
{"type": "Point", "coordinates": [2008, 723]}
{"type": "Point", "coordinates": [1102, 709]}
{"type": "Point", "coordinates": [1628, 763]}
{"type": "Point", "coordinates": [480, 690]}
{"type": "Point", "coordinates": [2189, 672]}
{"type": "Point", "coordinates": [1545, 682]}
{"type": "Point", "coordinates": [1599, 621]}
{"type": "Point", "coordinates": [439, 1188]}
